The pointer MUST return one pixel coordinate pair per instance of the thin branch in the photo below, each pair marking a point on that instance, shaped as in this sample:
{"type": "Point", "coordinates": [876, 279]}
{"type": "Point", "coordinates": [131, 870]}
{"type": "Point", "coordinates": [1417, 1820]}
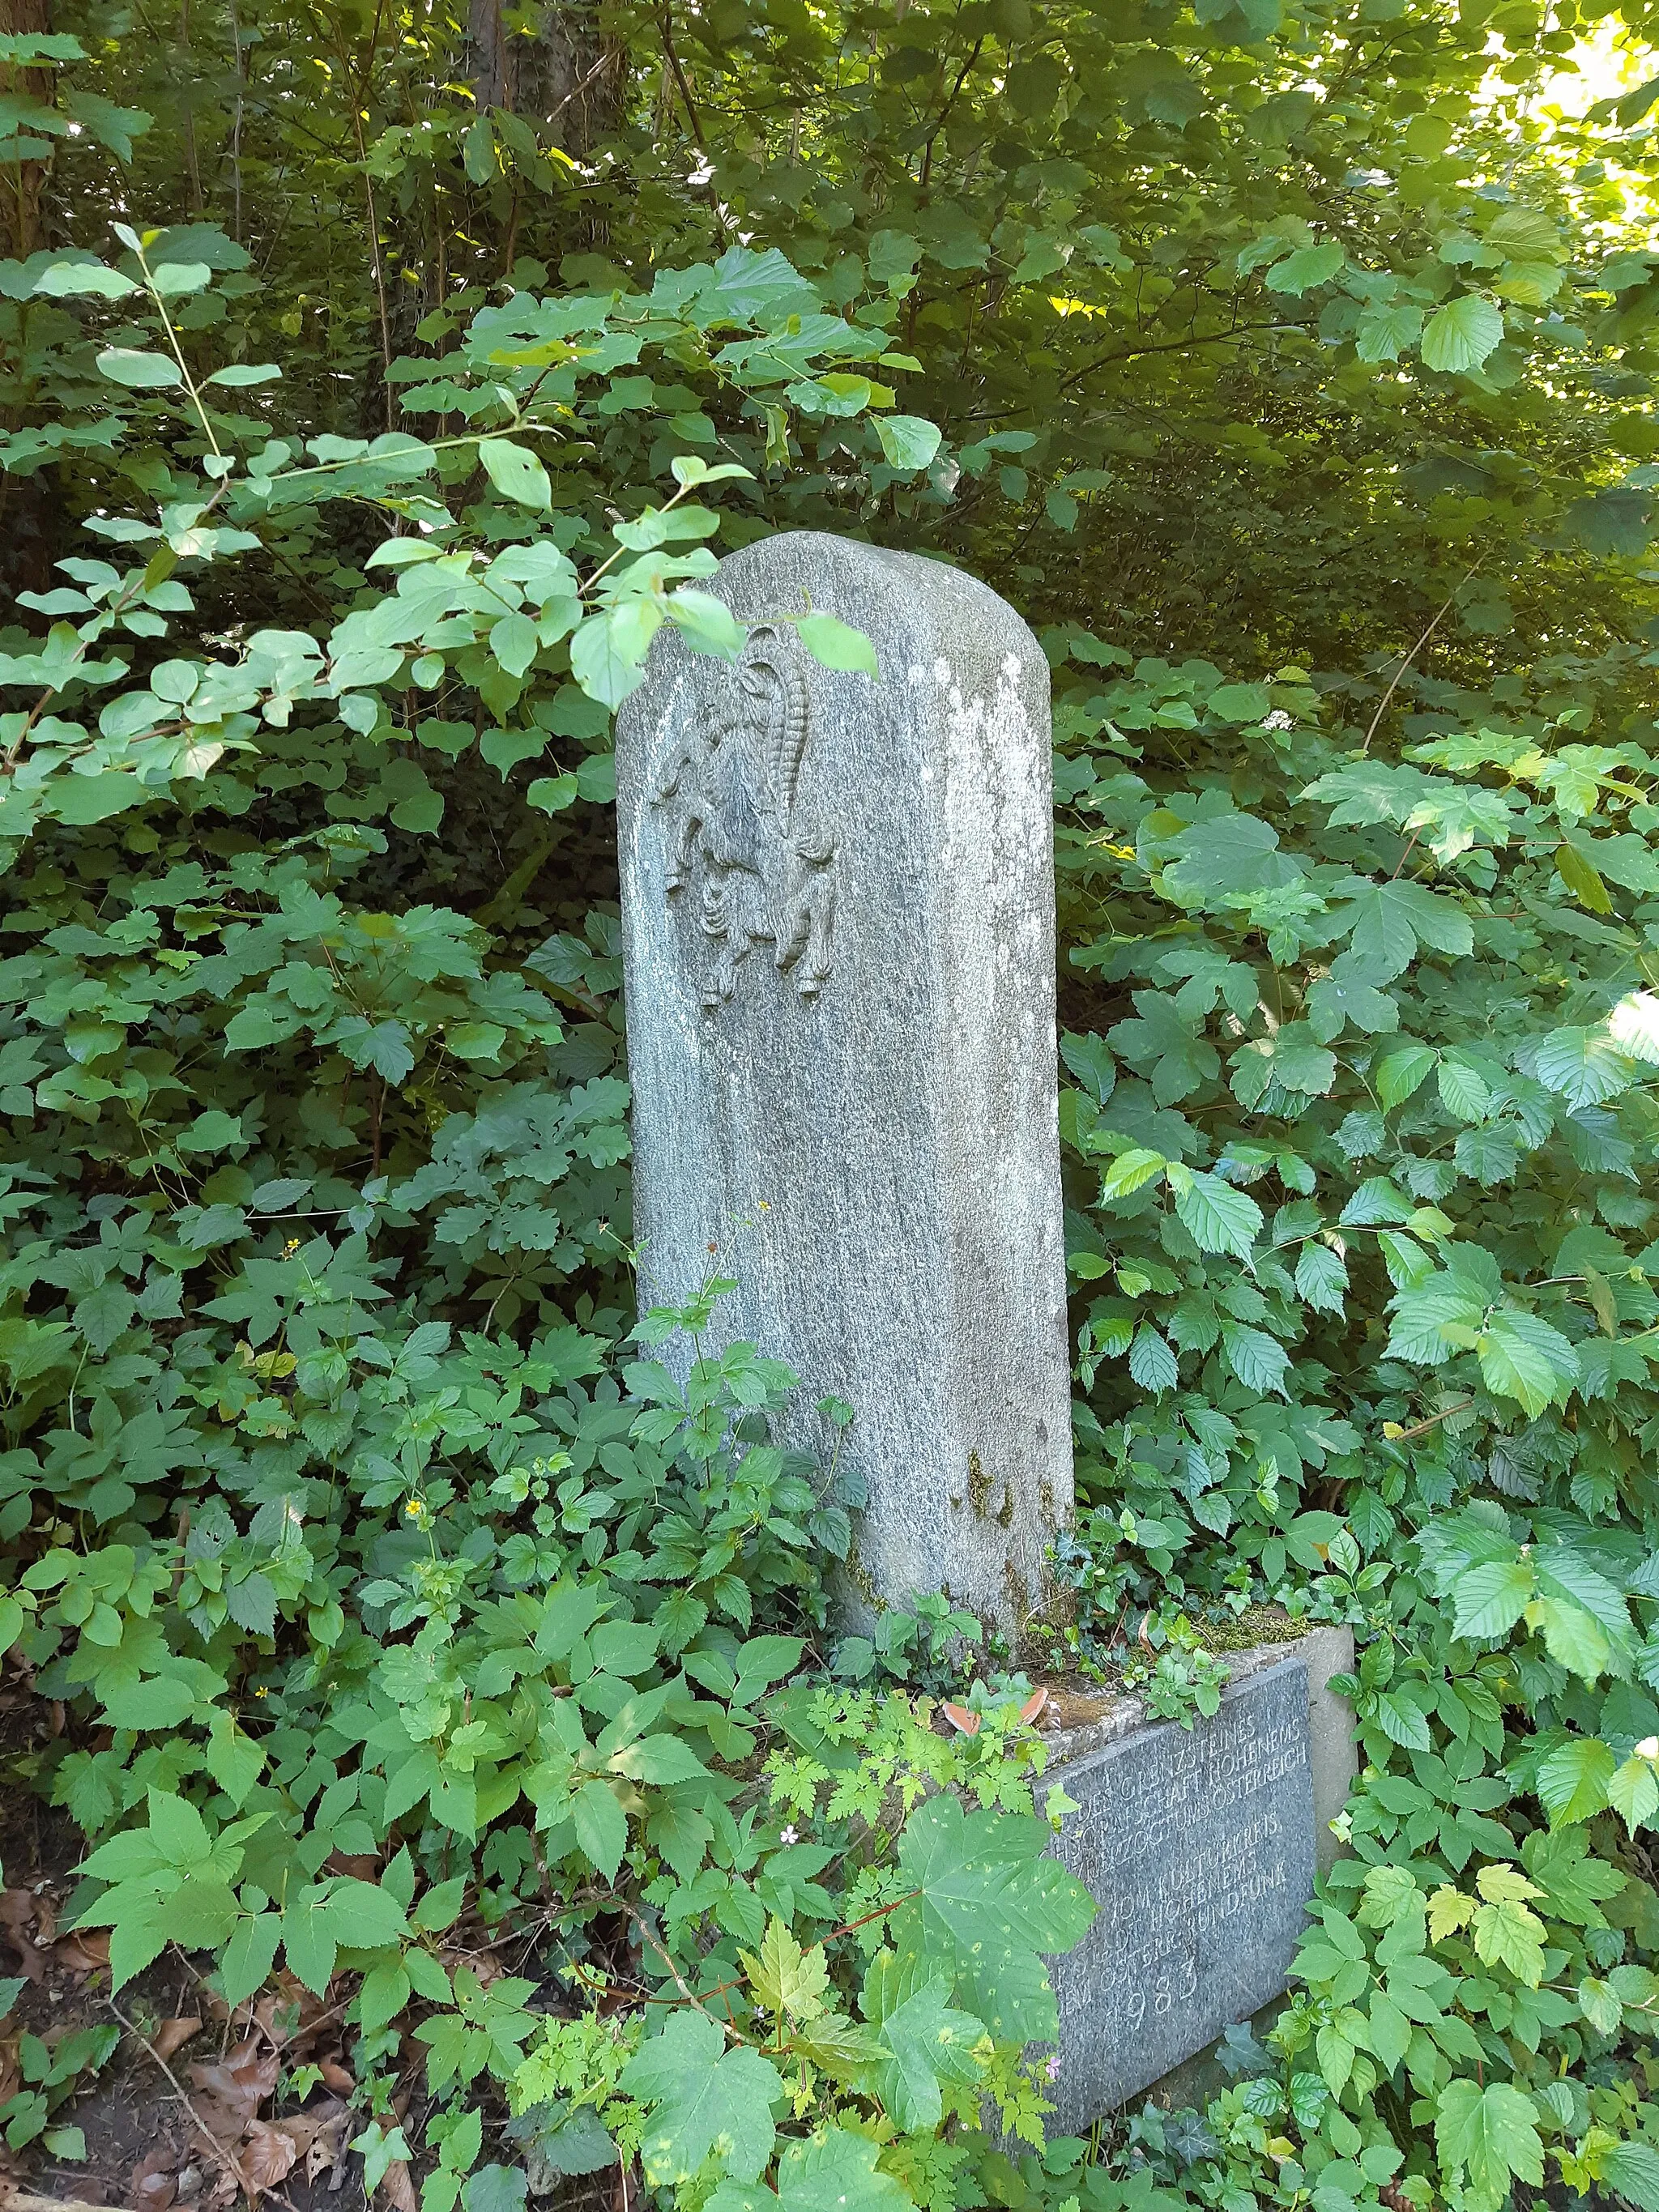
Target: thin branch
{"type": "Point", "coordinates": [1171, 345]}
{"type": "Point", "coordinates": [1441, 613]}
{"type": "Point", "coordinates": [222, 2157]}
{"type": "Point", "coordinates": [1417, 1428]}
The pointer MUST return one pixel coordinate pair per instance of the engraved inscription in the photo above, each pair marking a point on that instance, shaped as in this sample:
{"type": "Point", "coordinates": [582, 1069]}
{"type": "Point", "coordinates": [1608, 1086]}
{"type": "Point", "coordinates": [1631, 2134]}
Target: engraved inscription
{"type": "Point", "coordinates": [729, 785]}
{"type": "Point", "coordinates": [1200, 1850]}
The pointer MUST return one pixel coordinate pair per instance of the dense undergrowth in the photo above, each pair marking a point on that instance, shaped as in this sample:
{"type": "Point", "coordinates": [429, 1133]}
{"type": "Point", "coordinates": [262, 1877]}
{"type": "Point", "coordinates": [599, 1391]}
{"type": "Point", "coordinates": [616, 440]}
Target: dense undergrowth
{"type": "Point", "coordinates": [382, 1595]}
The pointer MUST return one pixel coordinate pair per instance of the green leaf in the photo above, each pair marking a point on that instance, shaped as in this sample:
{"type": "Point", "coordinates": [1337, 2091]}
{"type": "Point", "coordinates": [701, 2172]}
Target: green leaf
{"type": "Point", "coordinates": [140, 371]}
{"type": "Point", "coordinates": [702, 2100]}
{"type": "Point", "coordinates": [514, 643]}
{"type": "Point", "coordinates": [1460, 335]}
{"type": "Point", "coordinates": [601, 1826]}
{"type": "Point", "coordinates": [706, 623]}
{"type": "Point", "coordinates": [1218, 1217]}
{"type": "Point", "coordinates": [1491, 2133]}
{"type": "Point", "coordinates": [607, 652]}
{"type": "Point", "coordinates": [240, 373]}
{"type": "Point", "coordinates": [836, 644]}
{"type": "Point", "coordinates": [1308, 265]}
{"type": "Point", "coordinates": [516, 473]}
{"type": "Point", "coordinates": [1632, 2169]}
{"type": "Point", "coordinates": [1129, 1171]}
{"type": "Point", "coordinates": [907, 441]}
{"type": "Point", "coordinates": [926, 2042]}
{"type": "Point", "coordinates": [1489, 1600]}
{"type": "Point", "coordinates": [1572, 1781]}
{"type": "Point", "coordinates": [989, 1904]}
{"type": "Point", "coordinates": [1384, 332]}
{"type": "Point", "coordinates": [1521, 1357]}
{"type": "Point", "coordinates": [74, 280]}
{"type": "Point", "coordinates": [832, 2171]}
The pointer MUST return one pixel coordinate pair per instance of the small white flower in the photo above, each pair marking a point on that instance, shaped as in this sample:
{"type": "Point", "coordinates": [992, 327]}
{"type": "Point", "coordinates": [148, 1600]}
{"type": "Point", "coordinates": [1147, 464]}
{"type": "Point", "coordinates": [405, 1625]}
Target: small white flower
{"type": "Point", "coordinates": [790, 1837]}
{"type": "Point", "coordinates": [1278, 720]}
{"type": "Point", "coordinates": [1649, 1747]}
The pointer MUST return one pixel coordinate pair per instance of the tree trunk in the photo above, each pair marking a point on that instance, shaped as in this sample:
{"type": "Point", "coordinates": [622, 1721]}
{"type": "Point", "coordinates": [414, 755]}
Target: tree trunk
{"type": "Point", "coordinates": [566, 81]}
{"type": "Point", "coordinates": [22, 184]}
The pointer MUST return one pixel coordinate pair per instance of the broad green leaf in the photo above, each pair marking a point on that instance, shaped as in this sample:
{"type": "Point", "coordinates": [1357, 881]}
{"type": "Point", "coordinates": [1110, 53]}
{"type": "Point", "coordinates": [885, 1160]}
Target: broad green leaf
{"type": "Point", "coordinates": [989, 1904]}
{"type": "Point", "coordinates": [70, 280]}
{"type": "Point", "coordinates": [832, 2171]}
{"type": "Point", "coordinates": [1573, 1780]}
{"type": "Point", "coordinates": [1217, 1217]}
{"type": "Point", "coordinates": [907, 440]}
{"type": "Point", "coordinates": [1459, 336]}
{"type": "Point", "coordinates": [1491, 2133]}
{"type": "Point", "coordinates": [516, 473]}
{"type": "Point", "coordinates": [924, 2041]}
{"type": "Point", "coordinates": [702, 2097]}
{"type": "Point", "coordinates": [1521, 1357]}
{"type": "Point", "coordinates": [836, 644]}
{"type": "Point", "coordinates": [139, 371]}
{"type": "Point", "coordinates": [1129, 1171]}
{"type": "Point", "coordinates": [1308, 266]}
{"type": "Point", "coordinates": [1490, 1599]}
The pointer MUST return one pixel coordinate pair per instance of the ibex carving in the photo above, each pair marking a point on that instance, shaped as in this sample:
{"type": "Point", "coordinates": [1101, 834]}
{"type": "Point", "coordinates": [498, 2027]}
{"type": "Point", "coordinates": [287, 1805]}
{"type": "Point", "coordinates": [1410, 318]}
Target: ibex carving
{"type": "Point", "coordinates": [731, 775]}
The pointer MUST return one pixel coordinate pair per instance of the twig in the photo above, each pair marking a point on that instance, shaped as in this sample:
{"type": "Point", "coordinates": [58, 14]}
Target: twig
{"type": "Point", "coordinates": [222, 2157]}
{"type": "Point", "coordinates": [1442, 611]}
{"type": "Point", "coordinates": [725, 2027]}
{"type": "Point", "coordinates": [1434, 1420]}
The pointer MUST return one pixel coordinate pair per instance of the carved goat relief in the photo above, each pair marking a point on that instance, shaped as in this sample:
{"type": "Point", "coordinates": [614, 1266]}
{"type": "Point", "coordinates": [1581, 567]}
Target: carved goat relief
{"type": "Point", "coordinates": [731, 775]}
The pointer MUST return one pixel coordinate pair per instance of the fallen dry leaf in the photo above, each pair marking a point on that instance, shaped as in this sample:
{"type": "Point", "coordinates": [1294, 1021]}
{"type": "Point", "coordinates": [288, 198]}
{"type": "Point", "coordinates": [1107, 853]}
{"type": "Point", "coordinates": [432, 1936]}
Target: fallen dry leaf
{"type": "Point", "coordinates": [18, 1917]}
{"type": "Point", "coordinates": [153, 2183]}
{"type": "Point", "coordinates": [268, 2154]}
{"type": "Point", "coordinates": [231, 2089]}
{"type": "Point", "coordinates": [83, 1951]}
{"type": "Point", "coordinates": [174, 2034]}
{"type": "Point", "coordinates": [11, 2072]}
{"type": "Point", "coordinates": [339, 2078]}
{"type": "Point", "coordinates": [398, 2188]}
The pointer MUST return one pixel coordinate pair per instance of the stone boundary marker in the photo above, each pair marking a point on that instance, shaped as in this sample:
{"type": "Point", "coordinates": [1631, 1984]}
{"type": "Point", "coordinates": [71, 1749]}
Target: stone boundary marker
{"type": "Point", "coordinates": [1200, 1848]}
{"type": "Point", "coordinates": [838, 933]}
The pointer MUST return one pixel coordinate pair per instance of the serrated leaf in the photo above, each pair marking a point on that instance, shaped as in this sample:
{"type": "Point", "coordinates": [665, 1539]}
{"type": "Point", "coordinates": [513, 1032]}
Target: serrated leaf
{"type": "Point", "coordinates": [1460, 335]}
{"type": "Point", "coordinates": [832, 2171]}
{"type": "Point", "coordinates": [1572, 1781]}
{"type": "Point", "coordinates": [1151, 1363]}
{"type": "Point", "coordinates": [702, 2099]}
{"type": "Point", "coordinates": [1490, 1599]}
{"type": "Point", "coordinates": [1218, 1217]}
{"type": "Point", "coordinates": [990, 1904]}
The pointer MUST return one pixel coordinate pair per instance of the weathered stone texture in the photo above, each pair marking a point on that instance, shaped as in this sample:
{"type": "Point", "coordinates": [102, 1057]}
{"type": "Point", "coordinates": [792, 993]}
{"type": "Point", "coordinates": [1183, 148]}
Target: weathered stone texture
{"type": "Point", "coordinates": [838, 909]}
{"type": "Point", "coordinates": [1199, 1847]}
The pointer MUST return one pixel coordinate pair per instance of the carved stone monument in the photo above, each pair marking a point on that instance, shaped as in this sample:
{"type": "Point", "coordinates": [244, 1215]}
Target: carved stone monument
{"type": "Point", "coordinates": [838, 924]}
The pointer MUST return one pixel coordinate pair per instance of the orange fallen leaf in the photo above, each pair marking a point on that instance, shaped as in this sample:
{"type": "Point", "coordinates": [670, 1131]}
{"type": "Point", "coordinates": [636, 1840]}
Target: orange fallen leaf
{"type": "Point", "coordinates": [18, 1917]}
{"type": "Point", "coordinates": [153, 2183]}
{"type": "Point", "coordinates": [174, 2034]}
{"type": "Point", "coordinates": [268, 2155]}
{"type": "Point", "coordinates": [398, 2188]}
{"type": "Point", "coordinates": [84, 1951]}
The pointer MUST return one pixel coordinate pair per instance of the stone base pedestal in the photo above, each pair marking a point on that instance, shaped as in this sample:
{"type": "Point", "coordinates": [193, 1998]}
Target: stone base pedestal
{"type": "Point", "coordinates": [1201, 1848]}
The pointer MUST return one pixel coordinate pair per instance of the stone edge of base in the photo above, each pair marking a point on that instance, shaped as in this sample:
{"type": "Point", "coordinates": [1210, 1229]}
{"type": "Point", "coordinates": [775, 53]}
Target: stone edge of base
{"type": "Point", "coordinates": [1325, 1651]}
